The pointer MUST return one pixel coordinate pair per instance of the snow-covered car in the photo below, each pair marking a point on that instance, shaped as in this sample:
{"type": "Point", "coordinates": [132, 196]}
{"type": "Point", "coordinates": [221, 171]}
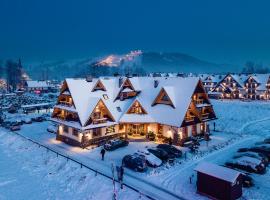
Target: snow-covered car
{"type": "Point", "coordinates": [151, 159]}
{"type": "Point", "coordinates": [135, 162]}
{"type": "Point", "coordinates": [27, 120]}
{"type": "Point", "coordinates": [115, 144]}
{"type": "Point", "coordinates": [52, 129]}
{"type": "Point", "coordinates": [257, 149]}
{"type": "Point", "coordinates": [259, 156]}
{"type": "Point", "coordinates": [170, 150]}
{"type": "Point", "coordinates": [15, 128]}
{"type": "Point", "coordinates": [248, 164]}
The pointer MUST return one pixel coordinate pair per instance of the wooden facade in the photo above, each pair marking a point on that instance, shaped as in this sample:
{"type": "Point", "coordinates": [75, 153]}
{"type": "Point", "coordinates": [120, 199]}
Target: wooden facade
{"type": "Point", "coordinates": [102, 123]}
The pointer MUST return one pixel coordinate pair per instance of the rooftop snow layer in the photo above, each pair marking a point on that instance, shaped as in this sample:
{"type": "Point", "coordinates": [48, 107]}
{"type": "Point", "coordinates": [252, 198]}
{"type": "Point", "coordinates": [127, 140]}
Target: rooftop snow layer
{"type": "Point", "coordinates": [217, 171]}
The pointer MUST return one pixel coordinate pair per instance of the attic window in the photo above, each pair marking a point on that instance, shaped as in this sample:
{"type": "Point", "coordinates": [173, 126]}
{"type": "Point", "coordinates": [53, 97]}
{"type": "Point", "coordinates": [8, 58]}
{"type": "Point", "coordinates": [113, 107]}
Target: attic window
{"type": "Point", "coordinates": [119, 109]}
{"type": "Point", "coordinates": [163, 98]}
{"type": "Point", "coordinates": [136, 108]}
{"type": "Point", "coordinates": [98, 86]}
{"type": "Point", "coordinates": [105, 96]}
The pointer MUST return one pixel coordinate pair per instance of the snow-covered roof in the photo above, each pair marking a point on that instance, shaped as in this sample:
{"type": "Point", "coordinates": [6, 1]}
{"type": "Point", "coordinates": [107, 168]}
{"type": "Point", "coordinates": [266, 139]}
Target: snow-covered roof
{"type": "Point", "coordinates": [37, 84]}
{"type": "Point", "coordinates": [180, 91]}
{"type": "Point", "coordinates": [217, 171]}
{"type": "Point", "coordinates": [261, 79]}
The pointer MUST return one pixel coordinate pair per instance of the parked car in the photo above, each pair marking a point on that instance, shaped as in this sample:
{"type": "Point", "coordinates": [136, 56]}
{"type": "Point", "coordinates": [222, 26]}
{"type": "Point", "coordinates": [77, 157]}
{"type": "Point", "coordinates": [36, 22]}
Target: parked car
{"type": "Point", "coordinates": [27, 120]}
{"type": "Point", "coordinates": [15, 127]}
{"type": "Point", "coordinates": [115, 144]}
{"type": "Point", "coordinates": [151, 159]}
{"type": "Point", "coordinates": [52, 129]}
{"type": "Point", "coordinates": [38, 119]}
{"type": "Point", "coordinates": [247, 179]}
{"type": "Point", "coordinates": [161, 154]}
{"type": "Point", "coordinates": [262, 150]}
{"type": "Point", "coordinates": [170, 150]}
{"type": "Point", "coordinates": [259, 156]}
{"type": "Point", "coordinates": [135, 162]}
{"type": "Point", "coordinates": [248, 164]}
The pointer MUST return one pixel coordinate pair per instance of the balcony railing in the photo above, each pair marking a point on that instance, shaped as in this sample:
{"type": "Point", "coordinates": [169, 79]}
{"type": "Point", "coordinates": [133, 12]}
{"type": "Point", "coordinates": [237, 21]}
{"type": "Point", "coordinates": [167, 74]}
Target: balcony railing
{"type": "Point", "coordinates": [205, 115]}
{"type": "Point", "coordinates": [99, 120]}
{"type": "Point", "coordinates": [65, 103]}
{"type": "Point", "coordinates": [189, 118]}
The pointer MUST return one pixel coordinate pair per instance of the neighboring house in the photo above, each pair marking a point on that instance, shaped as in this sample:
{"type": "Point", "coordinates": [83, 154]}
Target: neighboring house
{"type": "Point", "coordinates": [37, 86]}
{"type": "Point", "coordinates": [230, 87]}
{"type": "Point", "coordinates": [89, 112]}
{"type": "Point", "coordinates": [210, 81]}
{"type": "Point", "coordinates": [257, 86]}
{"type": "Point", "coordinates": [233, 86]}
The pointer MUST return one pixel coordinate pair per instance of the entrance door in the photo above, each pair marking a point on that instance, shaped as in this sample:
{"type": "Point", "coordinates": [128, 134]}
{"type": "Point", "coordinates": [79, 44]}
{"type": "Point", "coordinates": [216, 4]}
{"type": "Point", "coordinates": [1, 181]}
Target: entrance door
{"type": "Point", "coordinates": [138, 129]}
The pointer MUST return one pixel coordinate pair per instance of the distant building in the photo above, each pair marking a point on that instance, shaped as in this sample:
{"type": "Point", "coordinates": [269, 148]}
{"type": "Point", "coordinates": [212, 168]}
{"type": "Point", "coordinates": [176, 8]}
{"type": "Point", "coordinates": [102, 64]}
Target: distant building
{"type": "Point", "coordinates": [37, 86]}
{"type": "Point", "coordinates": [91, 111]}
{"type": "Point", "coordinates": [238, 86]}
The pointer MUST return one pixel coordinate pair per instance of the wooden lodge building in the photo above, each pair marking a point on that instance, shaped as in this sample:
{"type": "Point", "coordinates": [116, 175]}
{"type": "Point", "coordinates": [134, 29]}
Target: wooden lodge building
{"type": "Point", "coordinates": [234, 86]}
{"type": "Point", "coordinates": [89, 111]}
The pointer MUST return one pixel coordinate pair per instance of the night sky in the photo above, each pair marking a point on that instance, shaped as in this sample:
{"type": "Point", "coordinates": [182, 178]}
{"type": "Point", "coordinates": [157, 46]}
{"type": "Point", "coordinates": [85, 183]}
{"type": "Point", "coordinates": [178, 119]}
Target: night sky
{"type": "Point", "coordinates": [225, 31]}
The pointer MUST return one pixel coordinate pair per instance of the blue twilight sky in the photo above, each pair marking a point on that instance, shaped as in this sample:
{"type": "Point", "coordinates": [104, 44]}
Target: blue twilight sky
{"type": "Point", "coordinates": [224, 31]}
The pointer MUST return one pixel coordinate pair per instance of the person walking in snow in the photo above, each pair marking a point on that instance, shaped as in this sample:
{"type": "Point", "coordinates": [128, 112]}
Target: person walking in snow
{"type": "Point", "coordinates": [102, 152]}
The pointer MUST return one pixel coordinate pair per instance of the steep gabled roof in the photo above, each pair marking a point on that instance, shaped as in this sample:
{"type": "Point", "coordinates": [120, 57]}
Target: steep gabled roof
{"type": "Point", "coordinates": [179, 90]}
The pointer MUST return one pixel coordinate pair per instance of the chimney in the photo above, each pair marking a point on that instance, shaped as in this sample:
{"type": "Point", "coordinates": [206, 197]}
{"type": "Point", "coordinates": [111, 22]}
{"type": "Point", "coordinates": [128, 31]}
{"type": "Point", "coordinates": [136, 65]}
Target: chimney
{"type": "Point", "coordinates": [120, 81]}
{"type": "Point", "coordinates": [89, 78]}
{"type": "Point", "coordinates": [155, 83]}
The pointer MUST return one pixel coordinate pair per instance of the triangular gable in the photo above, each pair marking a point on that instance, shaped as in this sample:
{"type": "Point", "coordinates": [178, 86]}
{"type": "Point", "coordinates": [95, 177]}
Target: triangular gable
{"type": "Point", "coordinates": [163, 98]}
{"type": "Point", "coordinates": [99, 86]}
{"type": "Point", "coordinates": [64, 89]}
{"type": "Point", "coordinates": [192, 108]}
{"type": "Point", "coordinates": [126, 84]}
{"type": "Point", "coordinates": [228, 75]}
{"type": "Point", "coordinates": [136, 108]}
{"type": "Point", "coordinates": [104, 111]}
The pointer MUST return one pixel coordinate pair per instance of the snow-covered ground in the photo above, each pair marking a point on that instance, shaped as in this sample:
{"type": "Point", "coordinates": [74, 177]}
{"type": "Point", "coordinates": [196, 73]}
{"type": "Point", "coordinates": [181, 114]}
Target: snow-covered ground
{"type": "Point", "coordinates": [239, 124]}
{"type": "Point", "coordinates": [30, 172]}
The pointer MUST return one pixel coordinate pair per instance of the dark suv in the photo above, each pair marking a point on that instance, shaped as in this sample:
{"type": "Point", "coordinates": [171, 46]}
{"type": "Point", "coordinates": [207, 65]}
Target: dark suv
{"type": "Point", "coordinates": [135, 162]}
{"type": "Point", "coordinates": [171, 150]}
{"type": "Point", "coordinates": [115, 144]}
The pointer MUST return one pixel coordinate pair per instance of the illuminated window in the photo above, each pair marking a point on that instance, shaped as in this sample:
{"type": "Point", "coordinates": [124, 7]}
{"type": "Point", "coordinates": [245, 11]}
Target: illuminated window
{"type": "Point", "coordinates": [110, 129]}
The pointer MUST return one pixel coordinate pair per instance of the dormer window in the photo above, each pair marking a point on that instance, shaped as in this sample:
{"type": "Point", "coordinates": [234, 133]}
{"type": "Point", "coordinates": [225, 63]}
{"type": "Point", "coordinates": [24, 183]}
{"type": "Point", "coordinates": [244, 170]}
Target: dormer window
{"type": "Point", "coordinates": [164, 98]}
{"type": "Point", "coordinates": [99, 86]}
{"type": "Point", "coordinates": [136, 108]}
{"type": "Point", "coordinates": [119, 109]}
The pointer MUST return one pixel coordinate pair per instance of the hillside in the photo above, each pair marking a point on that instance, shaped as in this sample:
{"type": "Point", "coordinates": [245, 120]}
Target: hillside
{"type": "Point", "coordinates": [107, 65]}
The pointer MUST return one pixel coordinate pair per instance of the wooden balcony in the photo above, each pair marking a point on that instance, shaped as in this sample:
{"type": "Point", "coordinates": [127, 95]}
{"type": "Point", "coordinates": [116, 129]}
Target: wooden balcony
{"type": "Point", "coordinates": [65, 103]}
{"type": "Point", "coordinates": [205, 116]}
{"type": "Point", "coordinates": [99, 120]}
{"type": "Point", "coordinates": [189, 119]}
